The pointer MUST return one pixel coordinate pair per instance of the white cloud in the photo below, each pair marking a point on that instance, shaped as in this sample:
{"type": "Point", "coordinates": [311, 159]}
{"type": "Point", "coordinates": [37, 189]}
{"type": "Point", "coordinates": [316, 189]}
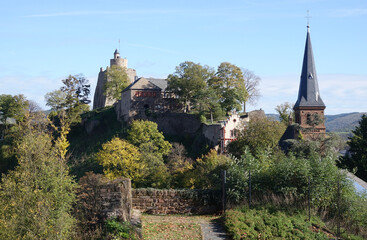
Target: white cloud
{"type": "Point", "coordinates": [198, 12]}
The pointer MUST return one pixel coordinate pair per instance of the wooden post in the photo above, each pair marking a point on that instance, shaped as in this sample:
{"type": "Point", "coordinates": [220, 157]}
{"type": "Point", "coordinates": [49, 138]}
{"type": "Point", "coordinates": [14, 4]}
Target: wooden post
{"type": "Point", "coordinates": [309, 199]}
{"type": "Point", "coordinates": [249, 188]}
{"type": "Point", "coordinates": [224, 200]}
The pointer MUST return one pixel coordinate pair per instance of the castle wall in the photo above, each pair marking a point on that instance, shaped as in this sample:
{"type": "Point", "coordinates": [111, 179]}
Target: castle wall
{"type": "Point", "coordinates": [99, 98]}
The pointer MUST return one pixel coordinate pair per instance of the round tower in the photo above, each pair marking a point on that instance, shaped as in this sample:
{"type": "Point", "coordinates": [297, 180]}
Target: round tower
{"type": "Point", "coordinates": [122, 62]}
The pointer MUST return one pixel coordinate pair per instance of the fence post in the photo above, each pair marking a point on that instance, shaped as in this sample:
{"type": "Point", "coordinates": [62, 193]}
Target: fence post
{"type": "Point", "coordinates": [224, 200]}
{"type": "Point", "coordinates": [249, 188]}
{"type": "Point", "coordinates": [309, 199]}
{"type": "Point", "coordinates": [338, 204]}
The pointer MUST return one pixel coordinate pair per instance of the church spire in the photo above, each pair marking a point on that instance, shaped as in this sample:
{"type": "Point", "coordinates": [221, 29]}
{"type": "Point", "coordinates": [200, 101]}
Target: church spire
{"type": "Point", "coordinates": [309, 94]}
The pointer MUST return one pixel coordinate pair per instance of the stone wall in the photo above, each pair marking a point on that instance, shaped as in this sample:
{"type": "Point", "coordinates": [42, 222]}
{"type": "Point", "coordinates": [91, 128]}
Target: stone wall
{"type": "Point", "coordinates": [161, 201]}
{"type": "Point", "coordinates": [116, 199]}
{"type": "Point", "coordinates": [177, 124]}
{"type": "Point", "coordinates": [100, 198]}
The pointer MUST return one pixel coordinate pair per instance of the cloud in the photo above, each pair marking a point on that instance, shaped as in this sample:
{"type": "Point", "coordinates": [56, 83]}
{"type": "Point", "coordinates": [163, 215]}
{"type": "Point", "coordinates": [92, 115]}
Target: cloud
{"type": "Point", "coordinates": [353, 12]}
{"type": "Point", "coordinates": [130, 12]}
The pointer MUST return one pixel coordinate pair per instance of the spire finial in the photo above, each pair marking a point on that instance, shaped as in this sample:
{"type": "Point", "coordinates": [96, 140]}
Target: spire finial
{"type": "Point", "coordinates": [308, 20]}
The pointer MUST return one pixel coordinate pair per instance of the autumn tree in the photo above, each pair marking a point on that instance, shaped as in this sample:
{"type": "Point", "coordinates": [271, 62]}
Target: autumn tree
{"type": "Point", "coordinates": [116, 81]}
{"type": "Point", "coordinates": [229, 84]}
{"type": "Point", "coordinates": [121, 159]}
{"type": "Point", "coordinates": [188, 82]}
{"type": "Point", "coordinates": [178, 166]}
{"type": "Point", "coordinates": [68, 103]}
{"type": "Point", "coordinates": [36, 198]}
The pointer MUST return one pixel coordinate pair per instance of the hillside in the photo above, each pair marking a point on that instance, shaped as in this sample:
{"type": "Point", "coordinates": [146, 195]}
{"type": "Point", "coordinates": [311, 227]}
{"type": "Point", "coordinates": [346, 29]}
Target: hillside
{"type": "Point", "coordinates": [344, 122]}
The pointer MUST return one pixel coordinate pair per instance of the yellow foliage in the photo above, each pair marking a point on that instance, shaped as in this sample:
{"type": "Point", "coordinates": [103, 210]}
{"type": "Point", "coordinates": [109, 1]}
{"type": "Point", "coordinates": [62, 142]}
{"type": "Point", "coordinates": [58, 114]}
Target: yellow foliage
{"type": "Point", "coordinates": [121, 159]}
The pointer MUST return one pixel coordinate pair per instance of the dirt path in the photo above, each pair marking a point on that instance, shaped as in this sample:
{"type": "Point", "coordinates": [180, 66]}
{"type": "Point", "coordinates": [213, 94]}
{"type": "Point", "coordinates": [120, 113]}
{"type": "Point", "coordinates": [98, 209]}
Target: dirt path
{"type": "Point", "coordinates": [177, 227]}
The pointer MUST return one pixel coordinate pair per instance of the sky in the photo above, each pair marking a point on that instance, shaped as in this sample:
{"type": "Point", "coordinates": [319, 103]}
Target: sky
{"type": "Point", "coordinates": [42, 42]}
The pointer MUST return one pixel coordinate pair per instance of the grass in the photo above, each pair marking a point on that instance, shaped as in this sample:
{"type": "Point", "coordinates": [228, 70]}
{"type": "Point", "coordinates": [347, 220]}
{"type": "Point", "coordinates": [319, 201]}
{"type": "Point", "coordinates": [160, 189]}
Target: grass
{"type": "Point", "coordinates": [173, 226]}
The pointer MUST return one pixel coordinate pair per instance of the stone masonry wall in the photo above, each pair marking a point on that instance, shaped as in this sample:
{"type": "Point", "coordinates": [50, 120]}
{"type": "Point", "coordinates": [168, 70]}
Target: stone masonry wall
{"type": "Point", "coordinates": [160, 201]}
{"type": "Point", "coordinates": [116, 199]}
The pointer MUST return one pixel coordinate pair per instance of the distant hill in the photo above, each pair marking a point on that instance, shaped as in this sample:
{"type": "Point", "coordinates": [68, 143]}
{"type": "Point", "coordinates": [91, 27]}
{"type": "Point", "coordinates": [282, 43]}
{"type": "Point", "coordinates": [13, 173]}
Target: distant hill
{"type": "Point", "coordinates": [345, 122]}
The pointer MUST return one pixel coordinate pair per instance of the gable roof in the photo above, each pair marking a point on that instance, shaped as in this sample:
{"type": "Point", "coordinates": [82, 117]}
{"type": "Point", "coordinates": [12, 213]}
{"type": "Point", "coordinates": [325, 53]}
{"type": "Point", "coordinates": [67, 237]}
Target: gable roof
{"type": "Point", "coordinates": [148, 83]}
{"type": "Point", "coordinates": [309, 94]}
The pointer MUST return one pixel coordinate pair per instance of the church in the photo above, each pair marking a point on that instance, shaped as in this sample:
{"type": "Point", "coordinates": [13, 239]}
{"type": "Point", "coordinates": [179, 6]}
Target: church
{"type": "Point", "coordinates": [309, 107]}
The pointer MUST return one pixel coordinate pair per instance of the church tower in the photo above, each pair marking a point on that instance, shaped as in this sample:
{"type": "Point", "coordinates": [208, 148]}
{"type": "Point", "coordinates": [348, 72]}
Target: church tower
{"type": "Point", "coordinates": [309, 108]}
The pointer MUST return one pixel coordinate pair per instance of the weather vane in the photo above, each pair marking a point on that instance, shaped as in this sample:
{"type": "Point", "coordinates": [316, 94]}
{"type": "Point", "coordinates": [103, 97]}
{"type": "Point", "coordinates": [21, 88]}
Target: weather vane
{"type": "Point", "coordinates": [308, 18]}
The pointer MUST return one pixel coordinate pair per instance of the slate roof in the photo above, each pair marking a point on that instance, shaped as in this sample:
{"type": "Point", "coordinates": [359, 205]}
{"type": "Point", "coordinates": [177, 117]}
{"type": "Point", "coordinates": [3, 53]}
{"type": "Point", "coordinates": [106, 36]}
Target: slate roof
{"type": "Point", "coordinates": [309, 94]}
{"type": "Point", "coordinates": [158, 82]}
{"type": "Point", "coordinates": [161, 83]}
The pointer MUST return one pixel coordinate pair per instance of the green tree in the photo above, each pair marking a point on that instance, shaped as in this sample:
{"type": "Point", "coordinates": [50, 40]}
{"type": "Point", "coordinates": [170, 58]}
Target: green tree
{"type": "Point", "coordinates": [207, 170]}
{"type": "Point", "coordinates": [116, 81]}
{"type": "Point", "coordinates": [12, 107]}
{"type": "Point", "coordinates": [36, 198]}
{"type": "Point", "coordinates": [260, 134]}
{"type": "Point", "coordinates": [209, 103]}
{"type": "Point", "coordinates": [230, 86]}
{"type": "Point", "coordinates": [121, 159]}
{"type": "Point", "coordinates": [153, 149]}
{"type": "Point", "coordinates": [142, 132]}
{"type": "Point", "coordinates": [285, 110]}
{"type": "Point", "coordinates": [188, 81]}
{"type": "Point", "coordinates": [358, 150]}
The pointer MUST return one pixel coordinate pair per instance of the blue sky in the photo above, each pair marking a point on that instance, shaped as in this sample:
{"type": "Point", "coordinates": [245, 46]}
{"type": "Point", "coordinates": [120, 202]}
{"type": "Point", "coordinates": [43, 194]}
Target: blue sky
{"type": "Point", "coordinates": [42, 42]}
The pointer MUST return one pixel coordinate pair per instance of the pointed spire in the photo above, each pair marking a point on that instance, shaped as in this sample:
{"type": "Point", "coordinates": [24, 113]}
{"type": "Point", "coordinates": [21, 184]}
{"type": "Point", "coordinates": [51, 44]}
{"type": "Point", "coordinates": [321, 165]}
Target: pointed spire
{"type": "Point", "coordinates": [309, 94]}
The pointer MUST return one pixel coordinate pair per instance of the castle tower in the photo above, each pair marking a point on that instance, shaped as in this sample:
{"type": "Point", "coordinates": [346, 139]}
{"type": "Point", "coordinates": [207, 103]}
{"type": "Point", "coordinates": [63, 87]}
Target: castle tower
{"type": "Point", "coordinates": [309, 108]}
{"type": "Point", "coordinates": [122, 62]}
{"type": "Point", "coordinates": [100, 99]}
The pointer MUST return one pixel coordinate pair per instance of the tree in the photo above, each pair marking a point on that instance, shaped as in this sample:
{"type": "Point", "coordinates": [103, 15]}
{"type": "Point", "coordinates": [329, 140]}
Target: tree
{"type": "Point", "coordinates": [12, 107]}
{"type": "Point", "coordinates": [36, 198]}
{"type": "Point", "coordinates": [260, 134]}
{"type": "Point", "coordinates": [206, 174]}
{"type": "Point", "coordinates": [188, 81]}
{"type": "Point", "coordinates": [69, 102]}
{"type": "Point", "coordinates": [178, 165]}
{"type": "Point", "coordinates": [285, 110]}
{"type": "Point", "coordinates": [209, 103]}
{"type": "Point", "coordinates": [230, 87]}
{"type": "Point", "coordinates": [358, 150]}
{"type": "Point", "coordinates": [153, 149]}
{"type": "Point", "coordinates": [252, 82]}
{"type": "Point", "coordinates": [143, 132]}
{"type": "Point", "coordinates": [121, 159]}
{"type": "Point", "coordinates": [116, 81]}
